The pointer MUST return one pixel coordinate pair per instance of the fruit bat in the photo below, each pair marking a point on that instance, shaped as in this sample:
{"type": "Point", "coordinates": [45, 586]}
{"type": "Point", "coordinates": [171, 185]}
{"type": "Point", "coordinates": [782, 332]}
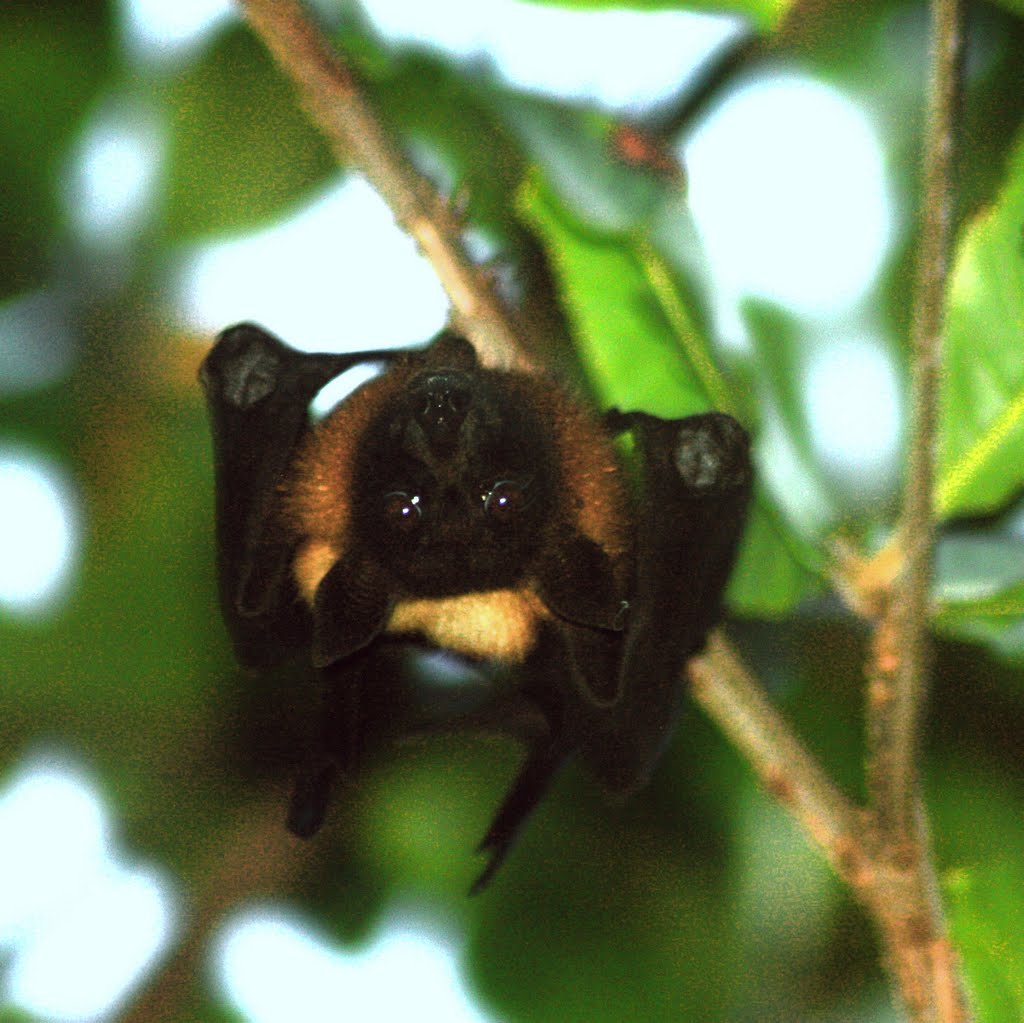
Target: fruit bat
{"type": "Point", "coordinates": [484, 512]}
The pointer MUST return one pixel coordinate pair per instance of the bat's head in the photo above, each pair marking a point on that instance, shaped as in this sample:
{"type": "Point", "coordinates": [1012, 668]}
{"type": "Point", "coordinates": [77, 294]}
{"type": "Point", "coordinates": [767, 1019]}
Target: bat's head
{"type": "Point", "coordinates": [454, 477]}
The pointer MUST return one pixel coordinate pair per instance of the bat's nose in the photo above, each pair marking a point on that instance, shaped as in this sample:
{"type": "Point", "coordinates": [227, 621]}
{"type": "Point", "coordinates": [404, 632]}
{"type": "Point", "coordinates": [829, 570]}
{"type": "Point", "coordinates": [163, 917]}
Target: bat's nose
{"type": "Point", "coordinates": [443, 399]}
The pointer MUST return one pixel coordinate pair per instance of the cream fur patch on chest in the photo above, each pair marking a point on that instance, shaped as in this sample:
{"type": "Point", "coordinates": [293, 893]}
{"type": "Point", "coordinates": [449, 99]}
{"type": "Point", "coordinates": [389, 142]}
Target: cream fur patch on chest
{"type": "Point", "coordinates": [499, 625]}
{"type": "Point", "coordinates": [314, 560]}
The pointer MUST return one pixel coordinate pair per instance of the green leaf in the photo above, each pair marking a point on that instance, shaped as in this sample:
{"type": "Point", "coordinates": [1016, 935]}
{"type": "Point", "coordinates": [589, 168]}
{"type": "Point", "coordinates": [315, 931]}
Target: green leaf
{"type": "Point", "coordinates": [986, 909]}
{"type": "Point", "coordinates": [574, 147]}
{"type": "Point", "coordinates": [979, 571]}
{"type": "Point", "coordinates": [981, 459]}
{"type": "Point", "coordinates": [240, 149]}
{"type": "Point", "coordinates": [980, 590]}
{"type": "Point", "coordinates": [772, 574]}
{"type": "Point", "coordinates": [444, 115]}
{"type": "Point", "coordinates": [643, 348]}
{"type": "Point", "coordinates": [636, 338]}
{"type": "Point", "coordinates": [765, 14]}
{"type": "Point", "coordinates": [996, 622]}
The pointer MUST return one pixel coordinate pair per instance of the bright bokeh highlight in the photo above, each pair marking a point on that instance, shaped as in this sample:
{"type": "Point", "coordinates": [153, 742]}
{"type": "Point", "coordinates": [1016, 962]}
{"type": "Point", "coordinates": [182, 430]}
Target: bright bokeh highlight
{"type": "Point", "coordinates": [111, 187]}
{"type": "Point", "coordinates": [273, 970]}
{"type": "Point", "coordinates": [78, 928]}
{"type": "Point", "coordinates": [854, 414]}
{"type": "Point", "coordinates": [343, 385]}
{"type": "Point", "coordinates": [788, 189]}
{"type": "Point", "coordinates": [337, 275]}
{"type": "Point", "coordinates": [39, 533]}
{"type": "Point", "coordinates": [618, 58]}
{"type": "Point", "coordinates": [168, 29]}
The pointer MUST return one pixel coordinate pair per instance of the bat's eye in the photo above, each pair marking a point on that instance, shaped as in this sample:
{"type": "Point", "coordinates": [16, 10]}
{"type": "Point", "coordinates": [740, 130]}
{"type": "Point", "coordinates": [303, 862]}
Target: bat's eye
{"type": "Point", "coordinates": [505, 500]}
{"type": "Point", "coordinates": [402, 511]}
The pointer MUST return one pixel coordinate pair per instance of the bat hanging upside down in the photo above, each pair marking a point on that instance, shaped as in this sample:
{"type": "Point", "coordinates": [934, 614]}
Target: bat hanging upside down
{"type": "Point", "coordinates": [483, 512]}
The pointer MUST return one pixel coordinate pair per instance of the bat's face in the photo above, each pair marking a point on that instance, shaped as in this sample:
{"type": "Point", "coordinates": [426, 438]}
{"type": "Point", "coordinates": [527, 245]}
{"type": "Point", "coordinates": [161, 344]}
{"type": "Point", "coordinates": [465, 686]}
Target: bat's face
{"type": "Point", "coordinates": [454, 484]}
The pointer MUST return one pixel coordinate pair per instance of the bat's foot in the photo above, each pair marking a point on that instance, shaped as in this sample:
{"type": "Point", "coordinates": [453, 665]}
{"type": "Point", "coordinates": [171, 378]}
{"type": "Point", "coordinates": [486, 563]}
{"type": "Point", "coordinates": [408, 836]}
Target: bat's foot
{"type": "Point", "coordinates": [532, 782]}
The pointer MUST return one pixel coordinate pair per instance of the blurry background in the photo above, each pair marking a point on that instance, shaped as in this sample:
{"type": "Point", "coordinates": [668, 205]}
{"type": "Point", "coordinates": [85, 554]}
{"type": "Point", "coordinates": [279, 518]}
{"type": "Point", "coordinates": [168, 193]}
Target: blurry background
{"type": "Point", "coordinates": [652, 181]}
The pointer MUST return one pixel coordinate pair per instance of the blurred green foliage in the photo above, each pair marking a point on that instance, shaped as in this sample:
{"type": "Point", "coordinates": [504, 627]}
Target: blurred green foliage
{"type": "Point", "coordinates": [986, 926]}
{"type": "Point", "coordinates": [697, 899]}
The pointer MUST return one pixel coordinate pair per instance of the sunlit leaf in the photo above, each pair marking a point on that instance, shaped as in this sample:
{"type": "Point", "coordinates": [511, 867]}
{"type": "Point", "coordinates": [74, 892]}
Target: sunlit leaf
{"type": "Point", "coordinates": [637, 341]}
{"type": "Point", "coordinates": [986, 908]}
{"type": "Point", "coordinates": [981, 461]}
{"type": "Point", "coordinates": [642, 348]}
{"type": "Point", "coordinates": [765, 14]}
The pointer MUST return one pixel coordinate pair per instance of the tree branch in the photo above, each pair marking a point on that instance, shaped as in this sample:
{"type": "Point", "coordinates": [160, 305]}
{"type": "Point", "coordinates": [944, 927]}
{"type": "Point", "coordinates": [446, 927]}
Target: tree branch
{"type": "Point", "coordinates": [337, 105]}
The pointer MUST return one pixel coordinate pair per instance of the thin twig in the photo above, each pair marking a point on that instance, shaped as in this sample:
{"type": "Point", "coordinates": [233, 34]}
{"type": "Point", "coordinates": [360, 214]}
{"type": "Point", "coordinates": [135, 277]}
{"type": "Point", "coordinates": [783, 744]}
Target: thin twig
{"type": "Point", "coordinates": [337, 104]}
{"type": "Point", "coordinates": [905, 902]}
{"type": "Point", "coordinates": [900, 671]}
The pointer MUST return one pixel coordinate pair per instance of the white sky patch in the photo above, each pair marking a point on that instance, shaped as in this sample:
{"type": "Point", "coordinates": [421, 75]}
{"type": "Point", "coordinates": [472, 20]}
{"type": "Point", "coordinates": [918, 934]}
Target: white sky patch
{"type": "Point", "coordinates": [343, 385]}
{"type": "Point", "coordinates": [274, 971]}
{"type": "Point", "coordinates": [77, 927]}
{"type": "Point", "coordinates": [339, 275]}
{"type": "Point", "coordinates": [39, 533]}
{"type": "Point", "coordinates": [854, 413]}
{"type": "Point", "coordinates": [114, 173]}
{"type": "Point", "coordinates": [789, 193]}
{"type": "Point", "coordinates": [621, 59]}
{"type": "Point", "coordinates": [165, 29]}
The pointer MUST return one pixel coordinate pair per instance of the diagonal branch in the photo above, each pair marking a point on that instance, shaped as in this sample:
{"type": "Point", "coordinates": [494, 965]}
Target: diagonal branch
{"type": "Point", "coordinates": [737, 702]}
{"type": "Point", "coordinates": [337, 105]}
